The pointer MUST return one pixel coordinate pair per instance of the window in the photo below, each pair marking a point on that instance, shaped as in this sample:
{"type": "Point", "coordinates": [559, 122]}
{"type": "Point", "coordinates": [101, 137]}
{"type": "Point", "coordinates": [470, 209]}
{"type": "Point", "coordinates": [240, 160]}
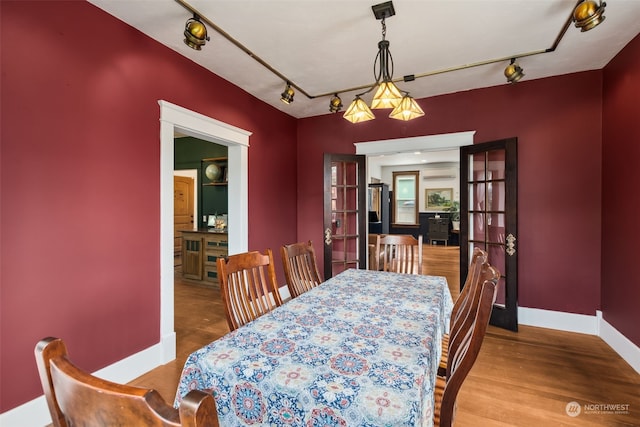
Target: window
{"type": "Point", "coordinates": [405, 198]}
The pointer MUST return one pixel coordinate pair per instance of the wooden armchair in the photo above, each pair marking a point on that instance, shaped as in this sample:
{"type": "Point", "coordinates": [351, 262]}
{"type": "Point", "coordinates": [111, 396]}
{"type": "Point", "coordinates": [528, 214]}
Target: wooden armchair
{"type": "Point", "coordinates": [400, 253]}
{"type": "Point", "coordinates": [77, 398]}
{"type": "Point", "coordinates": [300, 267]}
{"type": "Point", "coordinates": [248, 286]}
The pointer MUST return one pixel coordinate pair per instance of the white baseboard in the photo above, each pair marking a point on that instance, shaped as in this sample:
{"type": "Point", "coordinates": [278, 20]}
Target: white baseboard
{"type": "Point", "coordinates": [584, 324]}
{"type": "Point", "coordinates": [570, 322]}
{"type": "Point", "coordinates": [36, 412]}
{"type": "Point", "coordinates": [621, 344]}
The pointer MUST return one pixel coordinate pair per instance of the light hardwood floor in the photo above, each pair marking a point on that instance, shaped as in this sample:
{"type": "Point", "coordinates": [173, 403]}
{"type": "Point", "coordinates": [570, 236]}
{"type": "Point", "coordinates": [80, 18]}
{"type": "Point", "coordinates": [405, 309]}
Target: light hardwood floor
{"type": "Point", "coordinates": [520, 379]}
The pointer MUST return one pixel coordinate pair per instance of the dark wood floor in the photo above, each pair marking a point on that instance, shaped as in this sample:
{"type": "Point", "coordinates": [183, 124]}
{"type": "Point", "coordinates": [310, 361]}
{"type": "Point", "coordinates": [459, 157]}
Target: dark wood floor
{"type": "Point", "coordinates": [520, 379]}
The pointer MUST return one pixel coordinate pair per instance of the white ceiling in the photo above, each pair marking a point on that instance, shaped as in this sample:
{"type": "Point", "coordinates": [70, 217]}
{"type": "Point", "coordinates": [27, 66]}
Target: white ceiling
{"type": "Point", "coordinates": [324, 46]}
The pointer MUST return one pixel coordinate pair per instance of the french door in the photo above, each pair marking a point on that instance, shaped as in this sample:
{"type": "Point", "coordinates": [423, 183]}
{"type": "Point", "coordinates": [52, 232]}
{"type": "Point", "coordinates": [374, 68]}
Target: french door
{"type": "Point", "coordinates": [344, 231]}
{"type": "Point", "coordinates": [489, 220]}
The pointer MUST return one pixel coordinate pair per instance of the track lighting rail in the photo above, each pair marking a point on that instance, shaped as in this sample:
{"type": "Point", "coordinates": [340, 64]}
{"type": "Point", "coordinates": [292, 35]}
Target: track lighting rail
{"type": "Point", "coordinates": [289, 82]}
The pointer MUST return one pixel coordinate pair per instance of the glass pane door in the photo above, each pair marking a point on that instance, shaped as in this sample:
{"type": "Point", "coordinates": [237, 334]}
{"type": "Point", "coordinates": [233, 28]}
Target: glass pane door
{"type": "Point", "coordinates": [344, 218]}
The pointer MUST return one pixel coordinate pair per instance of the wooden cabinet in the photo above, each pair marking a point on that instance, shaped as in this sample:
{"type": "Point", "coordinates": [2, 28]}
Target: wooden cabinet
{"type": "Point", "coordinates": [200, 251]}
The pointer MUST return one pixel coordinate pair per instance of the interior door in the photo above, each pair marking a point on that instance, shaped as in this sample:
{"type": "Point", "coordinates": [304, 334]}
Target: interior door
{"type": "Point", "coordinates": [182, 209]}
{"type": "Point", "coordinates": [344, 213]}
{"type": "Point", "coordinates": [489, 218]}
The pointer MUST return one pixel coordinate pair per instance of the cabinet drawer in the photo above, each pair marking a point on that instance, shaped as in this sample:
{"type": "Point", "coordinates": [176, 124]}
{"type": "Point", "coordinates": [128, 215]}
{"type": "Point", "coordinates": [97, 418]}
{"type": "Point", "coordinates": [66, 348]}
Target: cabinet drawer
{"type": "Point", "coordinates": [214, 241]}
{"type": "Point", "coordinates": [212, 255]}
{"type": "Point", "coordinates": [210, 274]}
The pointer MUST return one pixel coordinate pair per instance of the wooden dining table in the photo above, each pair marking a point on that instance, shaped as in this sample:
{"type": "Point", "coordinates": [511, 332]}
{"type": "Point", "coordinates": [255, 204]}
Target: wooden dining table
{"type": "Point", "coordinates": [361, 349]}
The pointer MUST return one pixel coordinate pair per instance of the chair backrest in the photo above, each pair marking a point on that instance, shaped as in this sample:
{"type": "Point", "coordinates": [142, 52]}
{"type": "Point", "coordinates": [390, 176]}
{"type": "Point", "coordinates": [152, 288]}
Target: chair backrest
{"type": "Point", "coordinates": [400, 253]}
{"type": "Point", "coordinates": [248, 285]}
{"type": "Point", "coordinates": [462, 359]}
{"type": "Point", "coordinates": [467, 316]}
{"type": "Point", "coordinates": [374, 257]}
{"type": "Point", "coordinates": [462, 304]}
{"type": "Point", "coordinates": [77, 398]}
{"type": "Point", "coordinates": [300, 267]}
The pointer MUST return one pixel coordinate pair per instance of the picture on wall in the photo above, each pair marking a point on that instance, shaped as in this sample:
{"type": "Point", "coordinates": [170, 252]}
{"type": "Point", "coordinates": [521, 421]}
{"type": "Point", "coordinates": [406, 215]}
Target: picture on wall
{"type": "Point", "coordinates": [438, 198]}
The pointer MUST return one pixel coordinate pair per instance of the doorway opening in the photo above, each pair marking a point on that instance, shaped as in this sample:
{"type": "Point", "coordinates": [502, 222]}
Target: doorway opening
{"type": "Point", "coordinates": [375, 150]}
{"type": "Point", "coordinates": [174, 118]}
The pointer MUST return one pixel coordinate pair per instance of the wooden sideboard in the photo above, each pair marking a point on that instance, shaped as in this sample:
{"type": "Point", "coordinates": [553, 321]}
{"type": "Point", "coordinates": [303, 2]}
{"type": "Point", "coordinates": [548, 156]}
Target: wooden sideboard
{"type": "Point", "coordinates": [200, 250]}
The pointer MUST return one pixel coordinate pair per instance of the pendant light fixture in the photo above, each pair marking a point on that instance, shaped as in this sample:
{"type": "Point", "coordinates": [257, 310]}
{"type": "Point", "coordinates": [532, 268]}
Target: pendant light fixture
{"type": "Point", "coordinates": [387, 95]}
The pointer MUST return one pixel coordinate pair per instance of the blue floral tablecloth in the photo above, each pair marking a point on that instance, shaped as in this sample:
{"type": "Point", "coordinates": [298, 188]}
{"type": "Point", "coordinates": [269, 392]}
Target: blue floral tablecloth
{"type": "Point", "coordinates": [361, 349]}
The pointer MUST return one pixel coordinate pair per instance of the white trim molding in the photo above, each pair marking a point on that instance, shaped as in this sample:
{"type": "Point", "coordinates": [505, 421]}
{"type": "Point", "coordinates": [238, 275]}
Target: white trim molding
{"type": "Point", "coordinates": [621, 344]}
{"type": "Point", "coordinates": [583, 324]}
{"type": "Point", "coordinates": [446, 141]}
{"type": "Point", "coordinates": [175, 118]}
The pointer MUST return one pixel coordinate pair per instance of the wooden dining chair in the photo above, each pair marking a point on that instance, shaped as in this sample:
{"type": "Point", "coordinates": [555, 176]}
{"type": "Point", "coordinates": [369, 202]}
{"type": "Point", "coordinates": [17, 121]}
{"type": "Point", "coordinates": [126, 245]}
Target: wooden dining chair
{"type": "Point", "coordinates": [374, 257]}
{"type": "Point", "coordinates": [463, 356]}
{"type": "Point", "coordinates": [400, 253]}
{"type": "Point", "coordinates": [77, 398]}
{"type": "Point", "coordinates": [463, 303]}
{"type": "Point", "coordinates": [248, 285]}
{"type": "Point", "coordinates": [300, 267]}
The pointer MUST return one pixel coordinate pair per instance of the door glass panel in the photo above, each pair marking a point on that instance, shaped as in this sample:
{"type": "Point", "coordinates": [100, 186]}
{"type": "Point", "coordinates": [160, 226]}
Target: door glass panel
{"type": "Point", "coordinates": [476, 163]}
{"type": "Point", "coordinates": [497, 255]}
{"type": "Point", "coordinates": [495, 228]}
{"type": "Point", "coordinates": [351, 198]}
{"type": "Point", "coordinates": [495, 163]}
{"type": "Point", "coordinates": [477, 227]}
{"type": "Point", "coordinates": [344, 240]}
{"type": "Point", "coordinates": [496, 196]}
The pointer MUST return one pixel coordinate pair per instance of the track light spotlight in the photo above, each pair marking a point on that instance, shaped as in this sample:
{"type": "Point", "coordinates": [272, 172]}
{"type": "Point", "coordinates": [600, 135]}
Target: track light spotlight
{"type": "Point", "coordinates": [335, 104]}
{"type": "Point", "coordinates": [513, 72]}
{"type": "Point", "coordinates": [195, 33]}
{"type": "Point", "coordinates": [287, 95]}
{"type": "Point", "coordinates": [588, 15]}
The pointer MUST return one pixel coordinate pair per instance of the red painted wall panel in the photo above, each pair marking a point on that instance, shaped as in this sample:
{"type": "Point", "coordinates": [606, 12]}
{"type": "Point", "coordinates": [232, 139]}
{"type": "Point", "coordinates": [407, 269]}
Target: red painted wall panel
{"type": "Point", "coordinates": [558, 125]}
{"type": "Point", "coordinates": [621, 196]}
{"type": "Point", "coordinates": [80, 178]}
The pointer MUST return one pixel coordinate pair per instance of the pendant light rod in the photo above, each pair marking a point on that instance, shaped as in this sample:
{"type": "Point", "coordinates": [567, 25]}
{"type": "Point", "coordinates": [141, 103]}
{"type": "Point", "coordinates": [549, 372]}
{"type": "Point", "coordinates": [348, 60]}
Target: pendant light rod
{"type": "Point", "coordinates": [410, 77]}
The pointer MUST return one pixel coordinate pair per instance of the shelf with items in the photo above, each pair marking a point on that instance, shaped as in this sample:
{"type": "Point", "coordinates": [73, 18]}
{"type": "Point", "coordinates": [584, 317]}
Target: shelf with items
{"type": "Point", "coordinates": [214, 171]}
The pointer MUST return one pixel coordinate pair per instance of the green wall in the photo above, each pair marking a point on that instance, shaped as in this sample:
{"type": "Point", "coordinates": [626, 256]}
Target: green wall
{"type": "Point", "coordinates": [188, 153]}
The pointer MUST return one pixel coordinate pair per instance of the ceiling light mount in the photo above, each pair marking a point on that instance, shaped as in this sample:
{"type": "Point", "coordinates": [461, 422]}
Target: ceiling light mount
{"type": "Point", "coordinates": [195, 33]}
{"type": "Point", "coordinates": [383, 10]}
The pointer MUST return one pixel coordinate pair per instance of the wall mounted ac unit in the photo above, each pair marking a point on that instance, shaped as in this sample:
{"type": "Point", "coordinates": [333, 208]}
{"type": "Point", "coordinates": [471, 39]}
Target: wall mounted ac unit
{"type": "Point", "coordinates": [442, 173]}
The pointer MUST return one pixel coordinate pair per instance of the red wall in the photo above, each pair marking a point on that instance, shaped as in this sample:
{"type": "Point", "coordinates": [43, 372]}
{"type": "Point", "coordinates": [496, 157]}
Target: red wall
{"type": "Point", "coordinates": [80, 175]}
{"type": "Point", "coordinates": [621, 196]}
{"type": "Point", "coordinates": [558, 125]}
